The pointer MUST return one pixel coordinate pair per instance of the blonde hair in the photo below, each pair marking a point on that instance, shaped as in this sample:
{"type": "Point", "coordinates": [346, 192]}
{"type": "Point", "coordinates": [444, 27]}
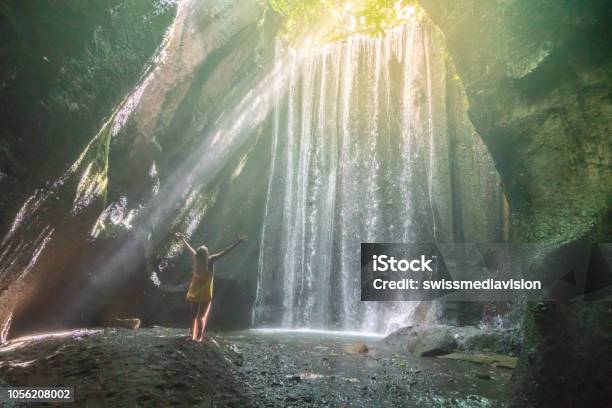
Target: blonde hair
{"type": "Point", "coordinates": [201, 259]}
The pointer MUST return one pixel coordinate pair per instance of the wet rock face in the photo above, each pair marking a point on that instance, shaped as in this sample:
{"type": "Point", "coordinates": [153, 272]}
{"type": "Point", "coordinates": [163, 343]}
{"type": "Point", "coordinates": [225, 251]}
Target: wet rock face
{"type": "Point", "coordinates": [101, 214]}
{"type": "Point", "coordinates": [537, 76]}
{"type": "Point", "coordinates": [62, 69]}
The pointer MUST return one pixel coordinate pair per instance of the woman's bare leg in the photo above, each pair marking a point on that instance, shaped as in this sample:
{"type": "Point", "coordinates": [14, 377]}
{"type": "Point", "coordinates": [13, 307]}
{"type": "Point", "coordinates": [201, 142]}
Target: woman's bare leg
{"type": "Point", "coordinates": [195, 326]}
{"type": "Point", "coordinates": [204, 319]}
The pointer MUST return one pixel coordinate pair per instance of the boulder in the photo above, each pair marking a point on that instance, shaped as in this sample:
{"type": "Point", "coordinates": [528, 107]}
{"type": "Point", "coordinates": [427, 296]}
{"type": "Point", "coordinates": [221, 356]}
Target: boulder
{"type": "Point", "coordinates": [357, 348]}
{"type": "Point", "coordinates": [424, 341]}
{"type": "Point", "coordinates": [436, 340]}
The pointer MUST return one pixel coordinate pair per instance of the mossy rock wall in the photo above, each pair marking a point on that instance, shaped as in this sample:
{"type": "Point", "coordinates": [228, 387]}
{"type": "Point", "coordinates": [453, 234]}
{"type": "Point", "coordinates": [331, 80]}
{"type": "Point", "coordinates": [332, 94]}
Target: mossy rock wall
{"type": "Point", "coordinates": [63, 68]}
{"type": "Point", "coordinates": [537, 75]}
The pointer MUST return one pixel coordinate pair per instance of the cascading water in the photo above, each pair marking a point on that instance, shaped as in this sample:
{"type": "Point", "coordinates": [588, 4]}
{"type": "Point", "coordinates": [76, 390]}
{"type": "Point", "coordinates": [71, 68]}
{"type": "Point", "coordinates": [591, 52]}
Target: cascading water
{"type": "Point", "coordinates": [360, 153]}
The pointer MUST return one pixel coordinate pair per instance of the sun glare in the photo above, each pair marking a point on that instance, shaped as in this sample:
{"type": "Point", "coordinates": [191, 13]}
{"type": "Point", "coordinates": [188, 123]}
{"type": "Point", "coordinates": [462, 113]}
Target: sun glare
{"type": "Point", "coordinates": [313, 26]}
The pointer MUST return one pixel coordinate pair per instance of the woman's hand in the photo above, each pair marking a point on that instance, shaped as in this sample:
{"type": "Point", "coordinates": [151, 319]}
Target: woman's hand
{"type": "Point", "coordinates": [183, 238]}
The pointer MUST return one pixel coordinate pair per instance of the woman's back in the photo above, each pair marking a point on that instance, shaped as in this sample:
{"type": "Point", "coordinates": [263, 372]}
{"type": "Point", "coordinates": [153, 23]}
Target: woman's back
{"type": "Point", "coordinates": [201, 286]}
{"type": "Point", "coordinates": [202, 267]}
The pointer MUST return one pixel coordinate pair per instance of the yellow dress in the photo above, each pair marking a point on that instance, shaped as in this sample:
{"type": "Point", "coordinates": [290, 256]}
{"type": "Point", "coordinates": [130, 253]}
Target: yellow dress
{"type": "Point", "coordinates": [200, 288]}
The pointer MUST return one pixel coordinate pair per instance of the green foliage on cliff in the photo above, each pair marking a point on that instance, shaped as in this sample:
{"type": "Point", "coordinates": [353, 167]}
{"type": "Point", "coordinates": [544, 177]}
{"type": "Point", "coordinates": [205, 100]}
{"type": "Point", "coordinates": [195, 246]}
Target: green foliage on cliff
{"type": "Point", "coordinates": [312, 22]}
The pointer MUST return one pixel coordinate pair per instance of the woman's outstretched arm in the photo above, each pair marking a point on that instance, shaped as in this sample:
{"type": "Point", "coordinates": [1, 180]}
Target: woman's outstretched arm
{"type": "Point", "coordinates": [221, 254]}
{"type": "Point", "coordinates": [181, 236]}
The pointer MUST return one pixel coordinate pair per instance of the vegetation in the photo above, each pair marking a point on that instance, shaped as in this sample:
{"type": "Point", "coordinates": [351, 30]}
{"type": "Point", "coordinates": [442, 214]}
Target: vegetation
{"type": "Point", "coordinates": [313, 22]}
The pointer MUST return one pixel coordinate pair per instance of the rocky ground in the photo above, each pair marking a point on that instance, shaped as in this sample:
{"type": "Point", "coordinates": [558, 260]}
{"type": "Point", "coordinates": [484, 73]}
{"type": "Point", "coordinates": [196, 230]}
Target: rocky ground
{"type": "Point", "coordinates": [126, 368]}
{"type": "Point", "coordinates": [161, 367]}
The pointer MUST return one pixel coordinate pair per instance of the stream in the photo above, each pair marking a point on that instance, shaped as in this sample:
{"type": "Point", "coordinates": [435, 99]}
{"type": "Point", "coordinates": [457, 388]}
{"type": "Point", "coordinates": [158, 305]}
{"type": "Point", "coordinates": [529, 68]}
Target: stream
{"type": "Point", "coordinates": [327, 369]}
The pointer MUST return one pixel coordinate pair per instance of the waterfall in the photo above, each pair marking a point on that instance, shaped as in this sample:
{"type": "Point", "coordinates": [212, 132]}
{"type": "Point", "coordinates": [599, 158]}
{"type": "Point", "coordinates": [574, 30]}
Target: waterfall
{"type": "Point", "coordinates": [360, 153]}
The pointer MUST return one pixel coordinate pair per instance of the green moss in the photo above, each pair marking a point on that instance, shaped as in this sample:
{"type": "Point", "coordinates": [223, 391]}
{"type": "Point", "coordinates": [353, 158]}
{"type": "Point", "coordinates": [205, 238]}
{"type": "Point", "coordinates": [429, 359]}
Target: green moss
{"type": "Point", "coordinates": [313, 22]}
{"type": "Point", "coordinates": [4, 147]}
{"type": "Point", "coordinates": [92, 168]}
{"type": "Point", "coordinates": [67, 65]}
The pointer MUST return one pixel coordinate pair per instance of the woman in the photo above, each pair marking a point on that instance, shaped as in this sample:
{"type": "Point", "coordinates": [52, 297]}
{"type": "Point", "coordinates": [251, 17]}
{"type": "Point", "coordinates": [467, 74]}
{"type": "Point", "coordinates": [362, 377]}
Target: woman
{"type": "Point", "coordinates": [200, 291]}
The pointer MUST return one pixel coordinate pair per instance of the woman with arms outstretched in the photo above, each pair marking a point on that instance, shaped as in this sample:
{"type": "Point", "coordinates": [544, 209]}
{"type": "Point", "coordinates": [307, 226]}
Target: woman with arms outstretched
{"type": "Point", "coordinates": [200, 291]}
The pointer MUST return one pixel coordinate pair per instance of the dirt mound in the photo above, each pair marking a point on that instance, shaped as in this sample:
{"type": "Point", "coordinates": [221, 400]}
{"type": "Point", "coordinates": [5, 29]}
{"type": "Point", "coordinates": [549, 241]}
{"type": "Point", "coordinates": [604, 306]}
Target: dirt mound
{"type": "Point", "coordinates": [122, 367]}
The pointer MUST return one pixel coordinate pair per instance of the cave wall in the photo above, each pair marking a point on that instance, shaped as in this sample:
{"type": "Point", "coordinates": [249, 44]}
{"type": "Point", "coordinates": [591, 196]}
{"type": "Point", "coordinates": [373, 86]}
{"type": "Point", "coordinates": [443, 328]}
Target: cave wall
{"type": "Point", "coordinates": [82, 249]}
{"type": "Point", "coordinates": [63, 67]}
{"type": "Point", "coordinates": [538, 80]}
{"type": "Point", "coordinates": [536, 75]}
